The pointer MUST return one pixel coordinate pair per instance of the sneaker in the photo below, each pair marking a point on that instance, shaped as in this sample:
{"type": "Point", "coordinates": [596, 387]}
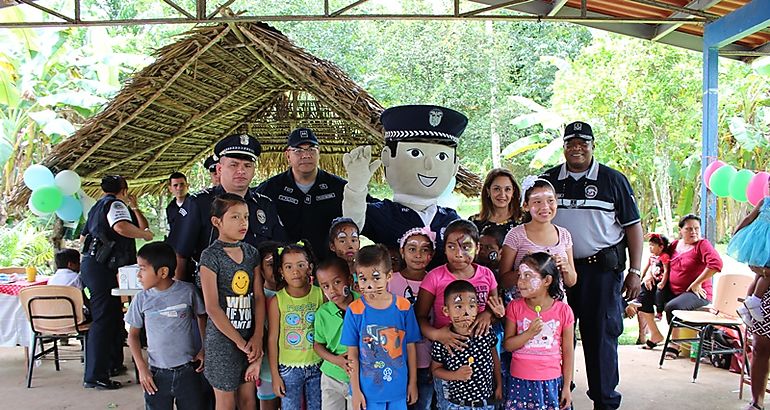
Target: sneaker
{"type": "Point", "coordinates": [743, 312]}
{"type": "Point", "coordinates": [754, 306]}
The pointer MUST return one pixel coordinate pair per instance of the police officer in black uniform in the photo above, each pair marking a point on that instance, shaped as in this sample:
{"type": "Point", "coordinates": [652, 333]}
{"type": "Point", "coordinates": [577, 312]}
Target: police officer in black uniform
{"type": "Point", "coordinates": [307, 197]}
{"type": "Point", "coordinates": [211, 165]}
{"type": "Point", "coordinates": [108, 240]}
{"type": "Point", "coordinates": [193, 233]}
{"type": "Point", "coordinates": [177, 185]}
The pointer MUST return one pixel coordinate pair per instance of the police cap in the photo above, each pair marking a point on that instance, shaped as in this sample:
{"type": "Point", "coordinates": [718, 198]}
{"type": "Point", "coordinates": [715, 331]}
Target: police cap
{"type": "Point", "coordinates": [210, 163]}
{"type": "Point", "coordinates": [241, 146]}
{"type": "Point", "coordinates": [424, 123]}
{"type": "Point", "coordinates": [578, 129]}
{"type": "Point", "coordinates": [301, 136]}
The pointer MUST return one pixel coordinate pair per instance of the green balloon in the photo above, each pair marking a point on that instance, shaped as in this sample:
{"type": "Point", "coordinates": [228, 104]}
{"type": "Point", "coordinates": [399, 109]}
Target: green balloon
{"type": "Point", "coordinates": [47, 198]}
{"type": "Point", "coordinates": [721, 179]}
{"type": "Point", "coordinates": [739, 184]}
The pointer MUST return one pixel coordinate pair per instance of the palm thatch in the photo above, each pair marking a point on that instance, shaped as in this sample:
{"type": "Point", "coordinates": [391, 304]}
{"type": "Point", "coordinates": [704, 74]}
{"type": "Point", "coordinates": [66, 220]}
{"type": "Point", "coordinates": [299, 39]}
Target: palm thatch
{"type": "Point", "coordinates": [215, 81]}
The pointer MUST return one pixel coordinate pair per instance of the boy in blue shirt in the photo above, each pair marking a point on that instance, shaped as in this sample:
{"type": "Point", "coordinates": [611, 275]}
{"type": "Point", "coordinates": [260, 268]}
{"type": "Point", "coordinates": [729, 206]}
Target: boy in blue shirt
{"type": "Point", "coordinates": [166, 308]}
{"type": "Point", "coordinates": [376, 328]}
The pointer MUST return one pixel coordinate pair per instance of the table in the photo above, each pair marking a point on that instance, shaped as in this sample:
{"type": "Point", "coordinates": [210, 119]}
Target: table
{"type": "Point", "coordinates": [15, 329]}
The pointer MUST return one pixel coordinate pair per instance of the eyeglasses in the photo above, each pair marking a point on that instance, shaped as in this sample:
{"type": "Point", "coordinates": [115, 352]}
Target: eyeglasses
{"type": "Point", "coordinates": [300, 151]}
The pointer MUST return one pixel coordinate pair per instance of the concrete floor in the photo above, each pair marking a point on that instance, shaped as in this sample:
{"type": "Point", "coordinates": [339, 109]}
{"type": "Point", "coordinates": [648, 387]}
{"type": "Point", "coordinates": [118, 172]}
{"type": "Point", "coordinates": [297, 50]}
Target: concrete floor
{"type": "Point", "coordinates": [643, 385]}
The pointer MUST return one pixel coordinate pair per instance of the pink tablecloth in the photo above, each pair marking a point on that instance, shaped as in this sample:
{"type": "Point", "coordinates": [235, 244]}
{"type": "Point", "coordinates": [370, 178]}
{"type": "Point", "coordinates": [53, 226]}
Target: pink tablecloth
{"type": "Point", "coordinates": [14, 288]}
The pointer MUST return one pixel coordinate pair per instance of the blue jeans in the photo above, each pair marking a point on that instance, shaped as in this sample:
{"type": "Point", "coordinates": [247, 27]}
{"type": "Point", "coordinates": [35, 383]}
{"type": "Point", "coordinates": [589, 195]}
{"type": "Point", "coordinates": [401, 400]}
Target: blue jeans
{"type": "Point", "coordinates": [387, 405]}
{"type": "Point", "coordinates": [424, 390]}
{"type": "Point", "coordinates": [180, 384]}
{"type": "Point", "coordinates": [439, 386]}
{"type": "Point", "coordinates": [486, 406]}
{"type": "Point", "coordinates": [299, 379]}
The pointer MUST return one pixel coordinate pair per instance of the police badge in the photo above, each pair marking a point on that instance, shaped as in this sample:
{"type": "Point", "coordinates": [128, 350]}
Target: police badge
{"type": "Point", "coordinates": [434, 117]}
{"type": "Point", "coordinates": [244, 139]}
{"type": "Point", "coordinates": [261, 217]}
{"type": "Point", "coordinates": [591, 191]}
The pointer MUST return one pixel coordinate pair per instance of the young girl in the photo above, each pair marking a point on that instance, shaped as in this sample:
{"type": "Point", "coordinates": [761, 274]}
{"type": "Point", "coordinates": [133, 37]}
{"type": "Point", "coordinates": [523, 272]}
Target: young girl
{"type": "Point", "coordinates": [417, 246]}
{"type": "Point", "coordinates": [537, 234]}
{"type": "Point", "coordinates": [461, 245]}
{"type": "Point", "coordinates": [539, 331]}
{"type": "Point", "coordinates": [259, 371]}
{"type": "Point", "coordinates": [343, 240]}
{"type": "Point", "coordinates": [654, 280]}
{"type": "Point", "coordinates": [235, 303]}
{"type": "Point", "coordinates": [751, 245]}
{"type": "Point", "coordinates": [294, 365]}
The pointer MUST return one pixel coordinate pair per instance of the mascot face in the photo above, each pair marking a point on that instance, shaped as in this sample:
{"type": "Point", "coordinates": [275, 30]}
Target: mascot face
{"type": "Point", "coordinates": [421, 169]}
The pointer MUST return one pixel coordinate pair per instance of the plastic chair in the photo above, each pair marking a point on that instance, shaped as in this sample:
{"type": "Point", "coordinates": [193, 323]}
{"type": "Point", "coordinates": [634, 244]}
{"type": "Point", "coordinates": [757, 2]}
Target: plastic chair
{"type": "Point", "coordinates": [13, 270]}
{"type": "Point", "coordinates": [727, 290]}
{"type": "Point", "coordinates": [55, 313]}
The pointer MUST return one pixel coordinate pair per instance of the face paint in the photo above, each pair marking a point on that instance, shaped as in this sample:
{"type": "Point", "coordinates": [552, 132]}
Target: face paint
{"type": "Point", "coordinates": [535, 283]}
{"type": "Point", "coordinates": [346, 291]}
{"type": "Point", "coordinates": [492, 256]}
{"type": "Point", "coordinates": [458, 299]}
{"type": "Point", "coordinates": [467, 242]}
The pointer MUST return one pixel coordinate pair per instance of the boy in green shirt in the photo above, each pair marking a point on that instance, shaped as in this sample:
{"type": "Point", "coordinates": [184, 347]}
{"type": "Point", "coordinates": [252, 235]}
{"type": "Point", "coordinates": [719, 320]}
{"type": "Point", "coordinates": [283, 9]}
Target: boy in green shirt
{"type": "Point", "coordinates": [335, 280]}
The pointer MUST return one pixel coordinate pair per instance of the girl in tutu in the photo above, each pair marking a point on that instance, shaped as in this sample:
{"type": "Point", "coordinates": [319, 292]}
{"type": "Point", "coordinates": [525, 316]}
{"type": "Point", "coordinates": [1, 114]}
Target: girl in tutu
{"type": "Point", "coordinates": [751, 245]}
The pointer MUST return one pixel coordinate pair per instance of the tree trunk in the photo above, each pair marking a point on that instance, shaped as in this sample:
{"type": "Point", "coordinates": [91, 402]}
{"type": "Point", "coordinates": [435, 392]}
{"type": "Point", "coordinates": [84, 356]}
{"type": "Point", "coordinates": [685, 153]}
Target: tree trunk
{"type": "Point", "coordinates": [493, 112]}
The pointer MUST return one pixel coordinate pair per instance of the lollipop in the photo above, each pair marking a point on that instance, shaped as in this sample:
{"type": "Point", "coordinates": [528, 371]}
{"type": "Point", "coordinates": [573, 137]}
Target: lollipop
{"type": "Point", "coordinates": [471, 360]}
{"type": "Point", "coordinates": [538, 308]}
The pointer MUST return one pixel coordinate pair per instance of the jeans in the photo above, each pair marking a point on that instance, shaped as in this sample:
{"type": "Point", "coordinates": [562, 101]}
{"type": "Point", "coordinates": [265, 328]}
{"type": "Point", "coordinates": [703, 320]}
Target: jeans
{"type": "Point", "coordinates": [424, 390]}
{"type": "Point", "coordinates": [440, 386]}
{"type": "Point", "coordinates": [486, 406]}
{"type": "Point", "coordinates": [181, 384]}
{"type": "Point", "coordinates": [298, 380]}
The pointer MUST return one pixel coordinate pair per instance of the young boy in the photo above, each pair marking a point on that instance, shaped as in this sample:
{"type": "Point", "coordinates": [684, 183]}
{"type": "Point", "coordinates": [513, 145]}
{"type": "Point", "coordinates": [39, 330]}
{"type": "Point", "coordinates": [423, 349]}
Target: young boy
{"type": "Point", "coordinates": [468, 372]}
{"type": "Point", "coordinates": [491, 247]}
{"type": "Point", "coordinates": [67, 269]}
{"type": "Point", "coordinates": [166, 308]}
{"type": "Point", "coordinates": [335, 281]}
{"type": "Point", "coordinates": [376, 328]}
{"type": "Point", "coordinates": [343, 240]}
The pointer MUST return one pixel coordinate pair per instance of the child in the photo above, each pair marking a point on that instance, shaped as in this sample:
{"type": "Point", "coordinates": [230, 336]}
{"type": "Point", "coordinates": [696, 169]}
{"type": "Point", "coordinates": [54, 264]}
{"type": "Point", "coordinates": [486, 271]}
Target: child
{"type": "Point", "coordinates": [751, 245]}
{"type": "Point", "coordinates": [235, 302]}
{"type": "Point", "coordinates": [537, 234]}
{"type": "Point", "coordinates": [417, 246]}
{"type": "Point", "coordinates": [468, 371]}
{"type": "Point", "coordinates": [539, 331]}
{"type": "Point", "coordinates": [376, 329]}
{"type": "Point", "coordinates": [335, 281]}
{"type": "Point", "coordinates": [491, 246]}
{"type": "Point", "coordinates": [261, 375]}
{"type": "Point", "coordinates": [654, 280]}
{"type": "Point", "coordinates": [294, 365]}
{"type": "Point", "coordinates": [67, 269]}
{"type": "Point", "coordinates": [166, 308]}
{"type": "Point", "coordinates": [343, 240]}
{"type": "Point", "coordinates": [460, 246]}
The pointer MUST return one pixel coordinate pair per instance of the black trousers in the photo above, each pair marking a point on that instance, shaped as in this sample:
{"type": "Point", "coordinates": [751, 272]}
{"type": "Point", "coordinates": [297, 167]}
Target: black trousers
{"type": "Point", "coordinates": [104, 348]}
{"type": "Point", "coordinates": [682, 301]}
{"type": "Point", "coordinates": [597, 304]}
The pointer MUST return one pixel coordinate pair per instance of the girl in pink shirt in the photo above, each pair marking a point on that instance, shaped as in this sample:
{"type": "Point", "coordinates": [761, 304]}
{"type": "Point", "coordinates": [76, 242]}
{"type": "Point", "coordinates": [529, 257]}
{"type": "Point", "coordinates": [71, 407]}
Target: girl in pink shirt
{"type": "Point", "coordinates": [539, 331]}
{"type": "Point", "coordinates": [538, 234]}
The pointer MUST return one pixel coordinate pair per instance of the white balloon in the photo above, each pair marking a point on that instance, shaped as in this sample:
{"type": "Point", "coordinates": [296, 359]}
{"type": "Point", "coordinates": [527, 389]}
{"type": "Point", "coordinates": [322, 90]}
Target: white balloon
{"type": "Point", "coordinates": [86, 201]}
{"type": "Point", "coordinates": [68, 182]}
{"type": "Point", "coordinates": [36, 211]}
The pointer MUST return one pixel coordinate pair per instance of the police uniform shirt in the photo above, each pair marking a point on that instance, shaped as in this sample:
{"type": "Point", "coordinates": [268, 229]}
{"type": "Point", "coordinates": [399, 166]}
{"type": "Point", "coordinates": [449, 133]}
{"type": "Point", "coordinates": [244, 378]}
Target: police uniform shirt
{"type": "Point", "coordinates": [106, 212]}
{"type": "Point", "coordinates": [387, 221]}
{"type": "Point", "coordinates": [194, 233]}
{"type": "Point", "coordinates": [307, 215]}
{"type": "Point", "coordinates": [595, 208]}
{"type": "Point", "coordinates": [175, 212]}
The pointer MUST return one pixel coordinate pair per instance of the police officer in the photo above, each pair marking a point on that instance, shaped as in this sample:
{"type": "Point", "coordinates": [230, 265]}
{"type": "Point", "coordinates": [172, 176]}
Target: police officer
{"type": "Point", "coordinates": [211, 165]}
{"type": "Point", "coordinates": [193, 233]}
{"type": "Point", "coordinates": [177, 186]}
{"type": "Point", "coordinates": [596, 204]}
{"type": "Point", "coordinates": [307, 198]}
{"type": "Point", "coordinates": [113, 224]}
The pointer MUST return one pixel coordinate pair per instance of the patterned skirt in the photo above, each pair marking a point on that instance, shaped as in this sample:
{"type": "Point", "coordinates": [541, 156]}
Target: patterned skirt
{"type": "Point", "coordinates": [534, 394]}
{"type": "Point", "coordinates": [762, 327]}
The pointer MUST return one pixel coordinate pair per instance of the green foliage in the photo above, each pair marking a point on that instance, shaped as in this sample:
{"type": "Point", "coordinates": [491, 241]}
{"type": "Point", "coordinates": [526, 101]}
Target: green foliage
{"type": "Point", "coordinates": [26, 245]}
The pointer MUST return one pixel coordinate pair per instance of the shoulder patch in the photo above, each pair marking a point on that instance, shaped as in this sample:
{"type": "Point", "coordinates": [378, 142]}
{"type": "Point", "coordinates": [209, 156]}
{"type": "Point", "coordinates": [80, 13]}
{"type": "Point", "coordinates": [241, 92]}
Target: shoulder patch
{"type": "Point", "coordinates": [357, 307]}
{"type": "Point", "coordinates": [402, 303]}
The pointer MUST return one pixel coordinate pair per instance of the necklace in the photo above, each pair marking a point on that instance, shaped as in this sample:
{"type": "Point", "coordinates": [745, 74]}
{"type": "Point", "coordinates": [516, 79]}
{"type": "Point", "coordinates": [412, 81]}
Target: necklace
{"type": "Point", "coordinates": [227, 244]}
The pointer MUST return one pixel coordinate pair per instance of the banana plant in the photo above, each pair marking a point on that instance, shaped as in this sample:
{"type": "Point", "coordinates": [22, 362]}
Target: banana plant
{"type": "Point", "coordinates": [546, 143]}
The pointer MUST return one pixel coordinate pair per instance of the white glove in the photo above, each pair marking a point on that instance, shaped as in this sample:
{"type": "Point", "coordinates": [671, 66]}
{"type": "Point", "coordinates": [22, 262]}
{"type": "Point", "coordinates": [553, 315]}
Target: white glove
{"type": "Point", "coordinates": [360, 167]}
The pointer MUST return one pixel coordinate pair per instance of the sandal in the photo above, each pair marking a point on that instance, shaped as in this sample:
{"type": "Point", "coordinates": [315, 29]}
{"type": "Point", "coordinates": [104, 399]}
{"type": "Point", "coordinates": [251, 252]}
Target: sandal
{"type": "Point", "coordinates": [672, 353]}
{"type": "Point", "coordinates": [639, 342]}
{"type": "Point", "coordinates": [650, 345]}
{"type": "Point", "coordinates": [754, 406]}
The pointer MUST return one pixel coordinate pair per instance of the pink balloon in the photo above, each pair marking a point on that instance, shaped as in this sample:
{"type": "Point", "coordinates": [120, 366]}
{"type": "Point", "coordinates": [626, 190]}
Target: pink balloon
{"type": "Point", "coordinates": [710, 170]}
{"type": "Point", "coordinates": [757, 188]}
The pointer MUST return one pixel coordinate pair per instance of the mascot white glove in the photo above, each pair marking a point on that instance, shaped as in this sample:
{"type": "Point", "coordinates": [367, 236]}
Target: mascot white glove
{"type": "Point", "coordinates": [360, 168]}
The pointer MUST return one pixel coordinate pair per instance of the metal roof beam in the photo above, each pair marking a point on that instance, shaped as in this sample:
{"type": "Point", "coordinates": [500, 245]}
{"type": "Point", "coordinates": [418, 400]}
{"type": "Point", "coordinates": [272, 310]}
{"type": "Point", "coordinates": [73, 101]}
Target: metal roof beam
{"type": "Point", "coordinates": [556, 7]}
{"type": "Point", "coordinates": [749, 19]}
{"type": "Point", "coordinates": [492, 7]}
{"type": "Point", "coordinates": [663, 30]}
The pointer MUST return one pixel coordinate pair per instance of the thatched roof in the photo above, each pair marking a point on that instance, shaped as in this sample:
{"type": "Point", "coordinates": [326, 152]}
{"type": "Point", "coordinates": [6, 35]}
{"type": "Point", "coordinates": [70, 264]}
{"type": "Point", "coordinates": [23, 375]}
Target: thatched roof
{"type": "Point", "coordinates": [217, 80]}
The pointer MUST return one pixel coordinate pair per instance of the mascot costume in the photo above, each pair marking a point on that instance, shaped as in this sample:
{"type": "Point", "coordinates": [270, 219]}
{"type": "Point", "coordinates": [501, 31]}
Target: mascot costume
{"type": "Point", "coordinates": [420, 160]}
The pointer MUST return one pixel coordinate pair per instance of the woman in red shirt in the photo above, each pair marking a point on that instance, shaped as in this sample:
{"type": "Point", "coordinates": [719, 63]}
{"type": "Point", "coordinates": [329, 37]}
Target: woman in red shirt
{"type": "Point", "coordinates": [693, 263]}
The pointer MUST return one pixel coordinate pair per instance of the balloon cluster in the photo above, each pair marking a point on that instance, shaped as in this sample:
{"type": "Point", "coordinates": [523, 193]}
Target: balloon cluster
{"type": "Point", "coordinates": [742, 185]}
{"type": "Point", "coordinates": [60, 194]}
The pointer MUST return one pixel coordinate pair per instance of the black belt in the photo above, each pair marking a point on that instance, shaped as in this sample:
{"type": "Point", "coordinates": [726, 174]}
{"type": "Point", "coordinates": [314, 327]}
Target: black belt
{"type": "Point", "coordinates": [610, 255]}
{"type": "Point", "coordinates": [473, 403]}
{"type": "Point", "coordinates": [181, 366]}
